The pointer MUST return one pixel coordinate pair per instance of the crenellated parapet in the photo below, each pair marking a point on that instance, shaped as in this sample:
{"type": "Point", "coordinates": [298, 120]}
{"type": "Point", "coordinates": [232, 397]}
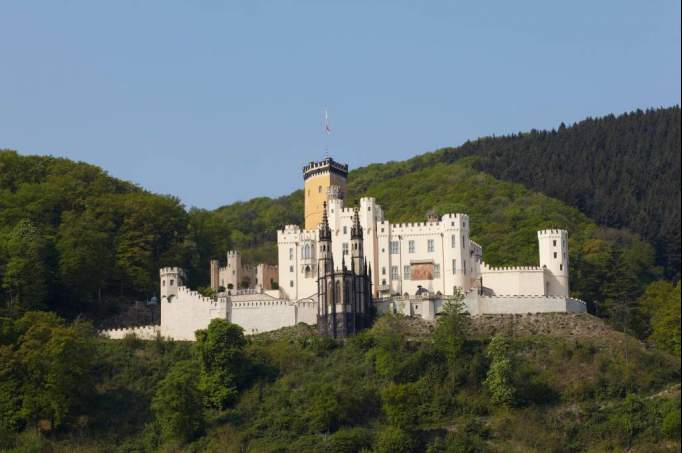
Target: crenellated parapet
{"type": "Point", "coordinates": [327, 165]}
{"type": "Point", "coordinates": [485, 268]}
{"type": "Point", "coordinates": [552, 233]}
{"type": "Point", "coordinates": [142, 332]}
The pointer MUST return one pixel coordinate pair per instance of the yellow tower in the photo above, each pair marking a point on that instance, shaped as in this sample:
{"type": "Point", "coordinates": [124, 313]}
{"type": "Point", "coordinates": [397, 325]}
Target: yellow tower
{"type": "Point", "coordinates": [319, 179]}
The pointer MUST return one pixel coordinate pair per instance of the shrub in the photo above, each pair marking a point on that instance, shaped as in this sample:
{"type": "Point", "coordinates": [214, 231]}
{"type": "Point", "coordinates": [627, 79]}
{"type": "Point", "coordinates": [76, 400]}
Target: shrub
{"type": "Point", "coordinates": [396, 440]}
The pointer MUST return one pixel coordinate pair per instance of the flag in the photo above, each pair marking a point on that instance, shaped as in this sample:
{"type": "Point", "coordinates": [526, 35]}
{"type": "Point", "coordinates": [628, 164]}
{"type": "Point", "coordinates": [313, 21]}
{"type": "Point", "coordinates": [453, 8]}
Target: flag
{"type": "Point", "coordinates": [327, 127]}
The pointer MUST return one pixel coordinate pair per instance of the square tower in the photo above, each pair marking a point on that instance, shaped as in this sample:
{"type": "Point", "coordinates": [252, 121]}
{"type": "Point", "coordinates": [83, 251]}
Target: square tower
{"type": "Point", "coordinates": [319, 179]}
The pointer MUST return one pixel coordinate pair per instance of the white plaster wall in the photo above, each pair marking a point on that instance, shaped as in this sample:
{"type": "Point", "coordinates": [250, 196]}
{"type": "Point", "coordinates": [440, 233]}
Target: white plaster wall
{"type": "Point", "coordinates": [306, 312]}
{"type": "Point", "coordinates": [188, 312]}
{"type": "Point", "coordinates": [263, 316]}
{"type": "Point", "coordinates": [506, 281]}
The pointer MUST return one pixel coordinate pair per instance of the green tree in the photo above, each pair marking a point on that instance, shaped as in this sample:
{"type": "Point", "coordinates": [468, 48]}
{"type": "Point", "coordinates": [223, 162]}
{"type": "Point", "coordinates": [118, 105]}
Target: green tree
{"type": "Point", "coordinates": [661, 305]}
{"type": "Point", "coordinates": [395, 440]}
{"type": "Point", "coordinates": [452, 329]}
{"type": "Point", "coordinates": [401, 404]}
{"type": "Point", "coordinates": [177, 404]}
{"type": "Point", "coordinates": [500, 378]}
{"type": "Point", "coordinates": [85, 249]}
{"type": "Point", "coordinates": [55, 360]}
{"type": "Point", "coordinates": [26, 275]}
{"type": "Point", "coordinates": [223, 363]}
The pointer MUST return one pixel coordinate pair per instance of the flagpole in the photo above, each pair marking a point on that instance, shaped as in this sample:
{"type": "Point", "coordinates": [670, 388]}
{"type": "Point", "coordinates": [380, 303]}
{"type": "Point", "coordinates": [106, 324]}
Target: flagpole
{"type": "Point", "coordinates": [327, 131]}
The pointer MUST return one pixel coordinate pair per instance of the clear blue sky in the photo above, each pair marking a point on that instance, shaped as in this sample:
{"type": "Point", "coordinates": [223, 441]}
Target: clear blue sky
{"type": "Point", "coordinates": [222, 101]}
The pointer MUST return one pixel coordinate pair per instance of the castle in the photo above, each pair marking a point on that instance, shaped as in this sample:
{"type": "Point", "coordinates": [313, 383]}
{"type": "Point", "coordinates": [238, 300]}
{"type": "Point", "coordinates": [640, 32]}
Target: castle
{"type": "Point", "coordinates": [409, 268]}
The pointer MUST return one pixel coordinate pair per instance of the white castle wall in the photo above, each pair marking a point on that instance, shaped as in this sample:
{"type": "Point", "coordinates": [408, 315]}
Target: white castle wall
{"type": "Point", "coordinates": [475, 305]}
{"type": "Point", "coordinates": [188, 312]}
{"type": "Point", "coordinates": [263, 316]}
{"type": "Point", "coordinates": [514, 280]}
{"type": "Point", "coordinates": [142, 332]}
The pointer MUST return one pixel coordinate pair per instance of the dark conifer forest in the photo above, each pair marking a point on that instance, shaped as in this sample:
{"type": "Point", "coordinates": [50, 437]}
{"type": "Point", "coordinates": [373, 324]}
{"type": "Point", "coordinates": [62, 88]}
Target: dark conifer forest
{"type": "Point", "coordinates": [621, 171]}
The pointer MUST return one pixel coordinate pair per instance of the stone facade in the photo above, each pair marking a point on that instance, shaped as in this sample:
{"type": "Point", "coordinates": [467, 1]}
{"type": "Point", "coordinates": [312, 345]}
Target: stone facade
{"type": "Point", "coordinates": [237, 275]}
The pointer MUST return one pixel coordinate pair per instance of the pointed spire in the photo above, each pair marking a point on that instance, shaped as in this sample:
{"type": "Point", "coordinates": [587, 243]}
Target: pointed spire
{"type": "Point", "coordinates": [356, 229]}
{"type": "Point", "coordinates": [325, 232]}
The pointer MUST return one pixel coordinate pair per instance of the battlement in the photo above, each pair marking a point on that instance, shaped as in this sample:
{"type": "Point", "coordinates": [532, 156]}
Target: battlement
{"type": "Point", "coordinates": [143, 332]}
{"type": "Point", "coordinates": [486, 268]}
{"type": "Point", "coordinates": [233, 253]}
{"type": "Point", "coordinates": [199, 297]}
{"type": "Point", "coordinates": [261, 303]}
{"type": "Point", "coordinates": [324, 166]}
{"type": "Point", "coordinates": [172, 270]}
{"type": "Point", "coordinates": [551, 232]}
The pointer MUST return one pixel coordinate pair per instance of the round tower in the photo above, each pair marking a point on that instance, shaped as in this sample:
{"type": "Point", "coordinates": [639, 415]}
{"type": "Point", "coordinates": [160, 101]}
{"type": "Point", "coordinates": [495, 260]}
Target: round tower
{"type": "Point", "coordinates": [171, 278]}
{"type": "Point", "coordinates": [321, 178]}
{"type": "Point", "coordinates": [553, 246]}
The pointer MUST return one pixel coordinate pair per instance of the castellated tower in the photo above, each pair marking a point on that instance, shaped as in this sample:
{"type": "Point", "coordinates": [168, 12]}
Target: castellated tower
{"type": "Point", "coordinates": [171, 278]}
{"type": "Point", "coordinates": [553, 245]}
{"type": "Point", "coordinates": [215, 274]}
{"type": "Point", "coordinates": [321, 178]}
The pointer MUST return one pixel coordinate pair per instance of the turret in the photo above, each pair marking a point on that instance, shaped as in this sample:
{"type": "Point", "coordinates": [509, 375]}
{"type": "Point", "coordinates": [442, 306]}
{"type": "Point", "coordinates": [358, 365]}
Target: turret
{"type": "Point", "coordinates": [356, 243]}
{"type": "Point", "coordinates": [171, 278]}
{"type": "Point", "coordinates": [215, 274]}
{"type": "Point", "coordinates": [553, 247]}
{"type": "Point", "coordinates": [325, 263]}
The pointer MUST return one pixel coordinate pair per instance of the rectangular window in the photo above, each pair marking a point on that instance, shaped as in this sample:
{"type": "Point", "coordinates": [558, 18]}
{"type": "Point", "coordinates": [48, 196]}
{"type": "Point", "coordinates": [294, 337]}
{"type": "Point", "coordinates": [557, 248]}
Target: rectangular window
{"type": "Point", "coordinates": [383, 271]}
{"type": "Point", "coordinates": [344, 246]}
{"type": "Point", "coordinates": [291, 254]}
{"type": "Point", "coordinates": [454, 266]}
{"type": "Point", "coordinates": [406, 272]}
{"type": "Point", "coordinates": [410, 246]}
{"type": "Point", "coordinates": [395, 273]}
{"type": "Point", "coordinates": [554, 242]}
{"type": "Point", "coordinates": [345, 229]}
{"type": "Point", "coordinates": [463, 246]}
{"type": "Point", "coordinates": [436, 271]}
{"type": "Point", "coordinates": [395, 247]}
{"type": "Point", "coordinates": [429, 245]}
{"type": "Point", "coordinates": [554, 254]}
{"type": "Point", "coordinates": [291, 268]}
{"type": "Point", "coordinates": [454, 241]}
{"type": "Point", "coordinates": [291, 283]}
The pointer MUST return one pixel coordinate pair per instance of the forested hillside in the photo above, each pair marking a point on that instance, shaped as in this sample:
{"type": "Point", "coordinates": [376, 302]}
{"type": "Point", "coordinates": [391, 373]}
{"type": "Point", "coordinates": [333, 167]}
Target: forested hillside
{"type": "Point", "coordinates": [75, 240]}
{"type": "Point", "coordinates": [621, 171]}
